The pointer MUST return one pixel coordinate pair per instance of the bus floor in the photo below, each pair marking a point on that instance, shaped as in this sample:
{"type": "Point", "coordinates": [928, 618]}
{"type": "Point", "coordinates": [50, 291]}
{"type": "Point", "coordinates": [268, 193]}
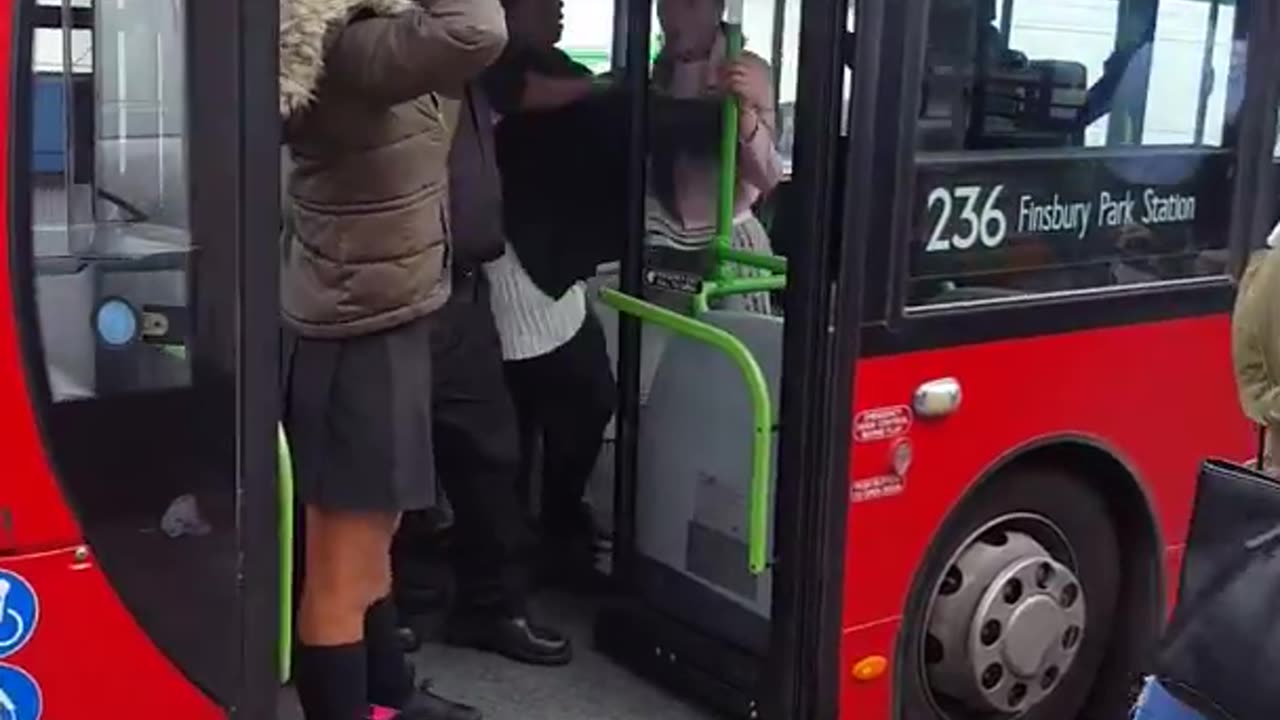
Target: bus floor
{"type": "Point", "coordinates": [592, 687]}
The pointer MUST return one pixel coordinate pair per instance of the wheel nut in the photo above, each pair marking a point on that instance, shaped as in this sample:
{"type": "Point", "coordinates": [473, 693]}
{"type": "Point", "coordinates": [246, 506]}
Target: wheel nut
{"type": "Point", "coordinates": [1013, 591]}
{"type": "Point", "coordinates": [1017, 694]}
{"type": "Point", "coordinates": [1044, 574]}
{"type": "Point", "coordinates": [1070, 594]}
{"type": "Point", "coordinates": [992, 676]}
{"type": "Point", "coordinates": [1049, 678]}
{"type": "Point", "coordinates": [990, 632]}
{"type": "Point", "coordinates": [1071, 637]}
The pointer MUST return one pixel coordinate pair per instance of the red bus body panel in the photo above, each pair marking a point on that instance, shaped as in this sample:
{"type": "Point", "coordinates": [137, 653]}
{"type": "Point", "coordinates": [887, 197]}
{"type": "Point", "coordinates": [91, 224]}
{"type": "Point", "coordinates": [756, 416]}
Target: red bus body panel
{"type": "Point", "coordinates": [1160, 396]}
{"type": "Point", "coordinates": [89, 656]}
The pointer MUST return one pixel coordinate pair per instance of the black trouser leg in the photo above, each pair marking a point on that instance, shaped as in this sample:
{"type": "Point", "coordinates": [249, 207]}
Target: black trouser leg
{"type": "Point", "coordinates": [477, 455]}
{"type": "Point", "coordinates": [569, 395]}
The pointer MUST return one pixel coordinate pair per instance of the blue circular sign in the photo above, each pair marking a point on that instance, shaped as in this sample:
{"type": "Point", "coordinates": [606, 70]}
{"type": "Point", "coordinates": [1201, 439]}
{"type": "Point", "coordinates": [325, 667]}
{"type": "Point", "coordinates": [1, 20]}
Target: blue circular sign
{"type": "Point", "coordinates": [116, 322]}
{"type": "Point", "coordinates": [20, 697]}
{"type": "Point", "coordinates": [19, 613]}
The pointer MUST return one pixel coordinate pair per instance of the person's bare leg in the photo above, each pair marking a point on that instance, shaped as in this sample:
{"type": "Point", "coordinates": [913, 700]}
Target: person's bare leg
{"type": "Point", "coordinates": [342, 577]}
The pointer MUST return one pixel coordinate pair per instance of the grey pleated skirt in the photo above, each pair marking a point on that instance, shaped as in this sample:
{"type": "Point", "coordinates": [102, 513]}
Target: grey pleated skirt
{"type": "Point", "coordinates": [357, 412]}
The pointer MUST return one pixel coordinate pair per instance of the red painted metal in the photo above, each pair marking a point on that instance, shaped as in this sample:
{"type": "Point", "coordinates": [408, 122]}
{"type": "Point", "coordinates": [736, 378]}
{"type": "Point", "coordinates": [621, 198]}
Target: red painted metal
{"type": "Point", "coordinates": [89, 655]}
{"type": "Point", "coordinates": [1161, 396]}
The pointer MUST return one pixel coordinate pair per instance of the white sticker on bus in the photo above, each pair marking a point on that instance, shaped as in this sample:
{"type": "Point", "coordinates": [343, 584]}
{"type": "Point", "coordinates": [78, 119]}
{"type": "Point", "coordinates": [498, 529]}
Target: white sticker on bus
{"type": "Point", "coordinates": [881, 423]}
{"type": "Point", "coordinates": [876, 488]}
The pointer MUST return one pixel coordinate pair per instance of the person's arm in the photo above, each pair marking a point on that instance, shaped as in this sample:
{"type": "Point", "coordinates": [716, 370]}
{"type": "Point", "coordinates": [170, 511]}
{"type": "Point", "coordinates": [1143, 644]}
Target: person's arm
{"type": "Point", "coordinates": [759, 162]}
{"type": "Point", "coordinates": [438, 46]}
{"type": "Point", "coordinates": [513, 85]}
{"type": "Point", "coordinates": [547, 92]}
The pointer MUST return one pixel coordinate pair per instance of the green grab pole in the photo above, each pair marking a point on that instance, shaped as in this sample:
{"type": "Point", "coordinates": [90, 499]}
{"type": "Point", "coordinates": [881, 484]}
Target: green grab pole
{"type": "Point", "coordinates": [285, 491]}
{"type": "Point", "coordinates": [761, 407]}
{"type": "Point", "coordinates": [762, 261]}
{"type": "Point", "coordinates": [736, 286]}
{"type": "Point", "coordinates": [728, 175]}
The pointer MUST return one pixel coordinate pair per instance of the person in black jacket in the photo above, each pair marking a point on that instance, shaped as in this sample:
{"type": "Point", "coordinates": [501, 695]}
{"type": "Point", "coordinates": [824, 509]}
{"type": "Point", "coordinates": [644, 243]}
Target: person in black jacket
{"type": "Point", "coordinates": [551, 339]}
{"type": "Point", "coordinates": [475, 434]}
{"type": "Point", "coordinates": [560, 143]}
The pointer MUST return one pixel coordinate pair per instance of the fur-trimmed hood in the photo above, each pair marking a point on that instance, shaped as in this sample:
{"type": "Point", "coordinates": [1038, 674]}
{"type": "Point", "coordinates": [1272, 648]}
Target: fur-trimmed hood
{"type": "Point", "coordinates": [305, 27]}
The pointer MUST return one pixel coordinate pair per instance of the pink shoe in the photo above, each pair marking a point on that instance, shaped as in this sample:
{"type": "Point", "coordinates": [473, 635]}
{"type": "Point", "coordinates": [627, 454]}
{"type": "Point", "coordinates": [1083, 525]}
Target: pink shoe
{"type": "Point", "coordinates": [377, 712]}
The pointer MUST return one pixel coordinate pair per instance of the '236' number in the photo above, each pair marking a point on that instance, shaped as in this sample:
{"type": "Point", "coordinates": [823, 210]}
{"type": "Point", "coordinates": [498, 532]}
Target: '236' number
{"type": "Point", "coordinates": [990, 226]}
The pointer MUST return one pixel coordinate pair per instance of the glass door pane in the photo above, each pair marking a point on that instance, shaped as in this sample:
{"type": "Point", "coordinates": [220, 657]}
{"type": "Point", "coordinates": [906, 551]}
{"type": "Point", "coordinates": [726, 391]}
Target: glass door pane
{"type": "Point", "coordinates": [138, 295]}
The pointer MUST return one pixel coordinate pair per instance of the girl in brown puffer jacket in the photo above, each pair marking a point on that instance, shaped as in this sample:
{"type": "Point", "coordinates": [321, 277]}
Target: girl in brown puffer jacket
{"type": "Point", "coordinates": [365, 88]}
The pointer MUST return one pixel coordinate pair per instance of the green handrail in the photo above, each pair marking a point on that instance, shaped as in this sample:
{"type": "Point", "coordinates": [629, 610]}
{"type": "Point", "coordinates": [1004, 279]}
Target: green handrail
{"type": "Point", "coordinates": [728, 172]}
{"type": "Point", "coordinates": [762, 261]}
{"type": "Point", "coordinates": [712, 289]}
{"type": "Point", "coordinates": [761, 408]}
{"type": "Point", "coordinates": [285, 493]}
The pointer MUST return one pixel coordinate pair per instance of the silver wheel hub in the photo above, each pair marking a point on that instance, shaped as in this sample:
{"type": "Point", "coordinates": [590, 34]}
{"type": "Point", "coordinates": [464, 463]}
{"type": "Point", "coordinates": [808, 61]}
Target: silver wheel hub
{"type": "Point", "coordinates": [1004, 625]}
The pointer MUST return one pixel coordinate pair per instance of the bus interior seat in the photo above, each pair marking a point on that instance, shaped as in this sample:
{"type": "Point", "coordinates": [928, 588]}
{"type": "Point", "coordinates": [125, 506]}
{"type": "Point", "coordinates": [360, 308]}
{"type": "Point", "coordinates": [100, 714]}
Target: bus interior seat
{"type": "Point", "coordinates": [1033, 104]}
{"type": "Point", "coordinates": [980, 93]}
{"type": "Point", "coordinates": [695, 443]}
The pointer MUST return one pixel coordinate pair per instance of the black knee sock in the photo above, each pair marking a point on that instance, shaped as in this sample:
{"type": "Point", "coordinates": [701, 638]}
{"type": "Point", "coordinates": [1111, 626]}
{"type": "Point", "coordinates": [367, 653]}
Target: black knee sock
{"type": "Point", "coordinates": [390, 676]}
{"type": "Point", "coordinates": [331, 682]}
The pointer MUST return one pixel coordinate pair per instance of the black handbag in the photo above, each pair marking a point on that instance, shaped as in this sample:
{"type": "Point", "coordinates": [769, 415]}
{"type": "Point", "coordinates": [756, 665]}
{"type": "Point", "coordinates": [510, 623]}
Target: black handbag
{"type": "Point", "coordinates": [1221, 649]}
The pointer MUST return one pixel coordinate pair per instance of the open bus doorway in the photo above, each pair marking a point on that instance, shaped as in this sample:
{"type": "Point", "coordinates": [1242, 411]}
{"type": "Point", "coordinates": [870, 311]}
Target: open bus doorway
{"type": "Point", "coordinates": [144, 280]}
{"type": "Point", "coordinates": [707, 371]}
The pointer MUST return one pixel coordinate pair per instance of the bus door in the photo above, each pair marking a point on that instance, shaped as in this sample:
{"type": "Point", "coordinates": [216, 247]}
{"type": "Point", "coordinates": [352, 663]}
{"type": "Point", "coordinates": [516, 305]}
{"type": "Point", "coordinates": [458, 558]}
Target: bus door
{"type": "Point", "coordinates": [139, 382]}
{"type": "Point", "coordinates": [725, 367]}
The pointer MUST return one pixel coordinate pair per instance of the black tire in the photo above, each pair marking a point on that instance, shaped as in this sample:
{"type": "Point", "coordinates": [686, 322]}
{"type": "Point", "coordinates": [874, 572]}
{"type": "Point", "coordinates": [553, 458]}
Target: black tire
{"type": "Point", "coordinates": [1083, 518]}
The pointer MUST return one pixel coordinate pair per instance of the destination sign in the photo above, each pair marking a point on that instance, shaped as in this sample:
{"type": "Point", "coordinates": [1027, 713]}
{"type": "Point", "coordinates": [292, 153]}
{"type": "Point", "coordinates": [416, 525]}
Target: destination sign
{"type": "Point", "coordinates": [979, 215]}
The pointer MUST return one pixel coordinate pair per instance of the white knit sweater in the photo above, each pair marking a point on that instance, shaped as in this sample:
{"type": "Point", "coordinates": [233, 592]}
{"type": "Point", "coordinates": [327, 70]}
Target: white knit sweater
{"type": "Point", "coordinates": [531, 324]}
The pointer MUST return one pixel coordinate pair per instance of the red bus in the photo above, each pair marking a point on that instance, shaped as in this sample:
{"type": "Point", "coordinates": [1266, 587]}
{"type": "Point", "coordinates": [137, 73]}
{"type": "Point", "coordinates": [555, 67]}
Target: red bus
{"type": "Point", "coordinates": [952, 484]}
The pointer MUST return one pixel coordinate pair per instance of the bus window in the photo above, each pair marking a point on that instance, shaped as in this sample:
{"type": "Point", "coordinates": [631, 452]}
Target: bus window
{"type": "Point", "coordinates": [1072, 146]}
{"type": "Point", "coordinates": [109, 198]}
{"type": "Point", "coordinates": [588, 33]}
{"type": "Point", "coordinates": [771, 30]}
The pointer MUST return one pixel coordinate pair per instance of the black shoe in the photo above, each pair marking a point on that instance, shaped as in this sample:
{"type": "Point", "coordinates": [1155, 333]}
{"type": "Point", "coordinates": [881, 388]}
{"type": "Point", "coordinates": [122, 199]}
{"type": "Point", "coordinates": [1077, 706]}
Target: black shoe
{"type": "Point", "coordinates": [512, 637]}
{"type": "Point", "coordinates": [426, 705]}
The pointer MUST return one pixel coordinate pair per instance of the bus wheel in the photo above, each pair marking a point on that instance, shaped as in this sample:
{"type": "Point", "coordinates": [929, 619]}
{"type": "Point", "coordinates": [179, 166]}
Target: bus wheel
{"type": "Point", "coordinates": [1012, 615]}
